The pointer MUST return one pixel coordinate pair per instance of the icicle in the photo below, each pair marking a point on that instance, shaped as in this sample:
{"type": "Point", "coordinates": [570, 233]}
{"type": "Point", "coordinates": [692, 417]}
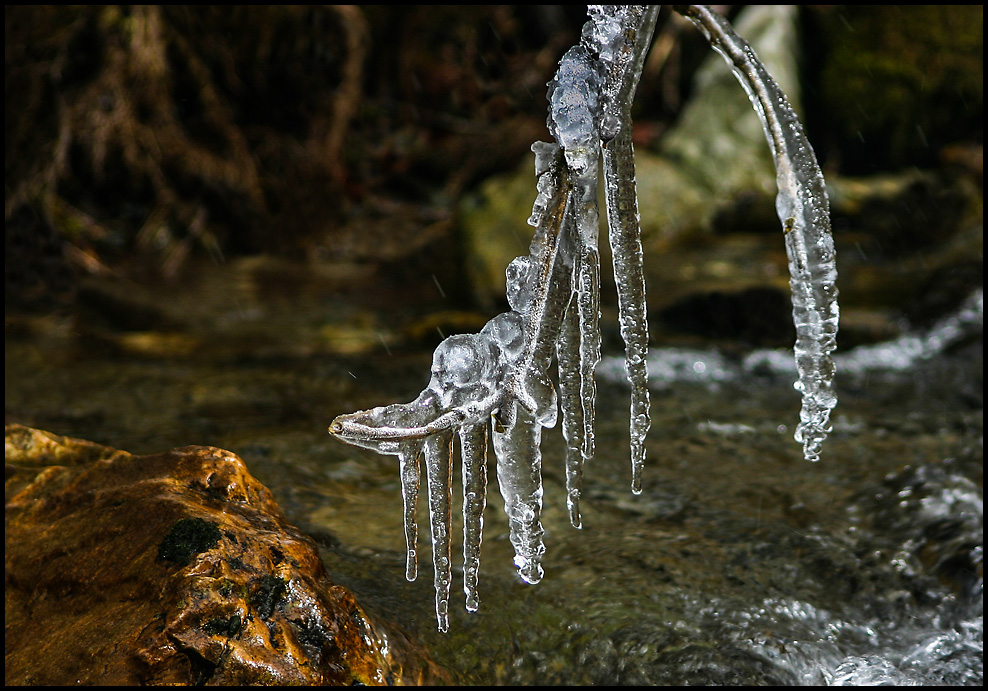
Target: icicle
{"type": "Point", "coordinates": [586, 279]}
{"type": "Point", "coordinates": [438, 451]}
{"type": "Point", "coordinates": [803, 208]}
{"type": "Point", "coordinates": [473, 448]}
{"type": "Point", "coordinates": [568, 359]}
{"type": "Point", "coordinates": [624, 38]}
{"type": "Point", "coordinates": [588, 309]}
{"type": "Point", "coordinates": [519, 475]}
{"type": "Point", "coordinates": [629, 276]}
{"type": "Point", "coordinates": [409, 471]}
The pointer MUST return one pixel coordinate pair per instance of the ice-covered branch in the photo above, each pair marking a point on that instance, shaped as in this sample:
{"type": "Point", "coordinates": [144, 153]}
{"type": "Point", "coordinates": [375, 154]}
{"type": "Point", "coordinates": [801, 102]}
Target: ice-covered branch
{"type": "Point", "coordinates": [804, 211]}
{"type": "Point", "coordinates": [499, 379]}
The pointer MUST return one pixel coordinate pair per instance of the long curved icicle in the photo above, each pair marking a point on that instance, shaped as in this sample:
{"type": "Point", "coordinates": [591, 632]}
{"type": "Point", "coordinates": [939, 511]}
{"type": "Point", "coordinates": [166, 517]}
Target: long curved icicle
{"type": "Point", "coordinates": [626, 253]}
{"type": "Point", "coordinates": [628, 50]}
{"type": "Point", "coordinates": [804, 211]}
{"type": "Point", "coordinates": [495, 385]}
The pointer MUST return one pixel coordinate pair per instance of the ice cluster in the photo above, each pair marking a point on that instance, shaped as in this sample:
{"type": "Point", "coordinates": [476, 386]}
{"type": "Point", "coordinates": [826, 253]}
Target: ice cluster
{"type": "Point", "coordinates": [498, 383]}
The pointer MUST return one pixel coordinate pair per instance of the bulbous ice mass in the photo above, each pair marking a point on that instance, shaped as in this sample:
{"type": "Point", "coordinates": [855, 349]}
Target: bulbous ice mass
{"type": "Point", "coordinates": [519, 284]}
{"type": "Point", "coordinates": [574, 107]}
{"type": "Point", "coordinates": [464, 369]}
{"type": "Point", "coordinates": [506, 330]}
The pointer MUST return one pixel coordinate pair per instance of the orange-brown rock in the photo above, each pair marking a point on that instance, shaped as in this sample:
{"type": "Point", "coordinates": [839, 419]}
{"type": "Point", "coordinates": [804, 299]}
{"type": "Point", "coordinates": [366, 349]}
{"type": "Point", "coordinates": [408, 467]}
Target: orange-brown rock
{"type": "Point", "coordinates": [175, 568]}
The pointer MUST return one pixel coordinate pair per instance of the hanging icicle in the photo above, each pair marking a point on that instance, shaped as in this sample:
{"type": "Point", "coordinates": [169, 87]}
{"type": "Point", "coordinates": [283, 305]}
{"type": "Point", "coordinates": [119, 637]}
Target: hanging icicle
{"type": "Point", "coordinates": [804, 211]}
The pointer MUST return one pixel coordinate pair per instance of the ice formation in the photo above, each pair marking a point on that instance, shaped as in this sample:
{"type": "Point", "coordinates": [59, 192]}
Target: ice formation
{"type": "Point", "coordinates": [499, 379]}
{"type": "Point", "coordinates": [804, 210]}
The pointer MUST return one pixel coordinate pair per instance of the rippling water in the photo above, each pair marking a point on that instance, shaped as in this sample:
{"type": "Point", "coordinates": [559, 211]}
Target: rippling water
{"type": "Point", "coordinates": [739, 563]}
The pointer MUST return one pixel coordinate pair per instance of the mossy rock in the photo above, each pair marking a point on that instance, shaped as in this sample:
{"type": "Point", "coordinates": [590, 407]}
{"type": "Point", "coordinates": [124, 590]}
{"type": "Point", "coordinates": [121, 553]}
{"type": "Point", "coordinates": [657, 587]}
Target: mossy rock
{"type": "Point", "coordinates": [899, 82]}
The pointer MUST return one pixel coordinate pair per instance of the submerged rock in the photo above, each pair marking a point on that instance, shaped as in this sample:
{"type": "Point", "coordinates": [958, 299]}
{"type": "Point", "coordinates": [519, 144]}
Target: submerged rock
{"type": "Point", "coordinates": [173, 568]}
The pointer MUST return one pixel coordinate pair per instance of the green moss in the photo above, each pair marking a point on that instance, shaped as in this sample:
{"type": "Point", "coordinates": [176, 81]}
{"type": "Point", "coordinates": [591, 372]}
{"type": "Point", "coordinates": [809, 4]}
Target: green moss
{"type": "Point", "coordinates": [270, 592]}
{"type": "Point", "coordinates": [223, 626]}
{"type": "Point", "coordinates": [227, 588]}
{"type": "Point", "coordinates": [900, 81]}
{"type": "Point", "coordinates": [186, 539]}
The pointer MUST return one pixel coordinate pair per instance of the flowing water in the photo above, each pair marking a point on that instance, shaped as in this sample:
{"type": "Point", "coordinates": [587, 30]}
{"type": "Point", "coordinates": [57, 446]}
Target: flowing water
{"type": "Point", "coordinates": [740, 563]}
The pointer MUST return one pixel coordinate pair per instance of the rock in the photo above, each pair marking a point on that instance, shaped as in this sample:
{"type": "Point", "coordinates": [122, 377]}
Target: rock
{"type": "Point", "coordinates": [173, 568]}
{"type": "Point", "coordinates": [895, 85]}
{"type": "Point", "coordinates": [717, 148]}
{"type": "Point", "coordinates": [494, 230]}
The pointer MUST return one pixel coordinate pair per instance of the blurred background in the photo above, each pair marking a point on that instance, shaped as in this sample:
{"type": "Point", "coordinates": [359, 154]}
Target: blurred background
{"type": "Point", "coordinates": [386, 151]}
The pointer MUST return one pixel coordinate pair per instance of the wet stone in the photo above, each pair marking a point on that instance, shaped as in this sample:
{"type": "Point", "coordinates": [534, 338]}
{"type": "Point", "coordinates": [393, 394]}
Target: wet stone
{"type": "Point", "coordinates": [173, 568]}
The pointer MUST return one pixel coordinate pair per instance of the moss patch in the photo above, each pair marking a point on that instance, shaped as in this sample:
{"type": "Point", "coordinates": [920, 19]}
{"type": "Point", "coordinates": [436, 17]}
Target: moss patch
{"type": "Point", "coordinates": [186, 539]}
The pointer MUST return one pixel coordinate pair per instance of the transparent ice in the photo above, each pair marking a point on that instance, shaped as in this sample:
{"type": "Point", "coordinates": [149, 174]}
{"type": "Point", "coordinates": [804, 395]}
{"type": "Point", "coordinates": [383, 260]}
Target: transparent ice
{"type": "Point", "coordinates": [497, 383]}
{"type": "Point", "coordinates": [804, 211]}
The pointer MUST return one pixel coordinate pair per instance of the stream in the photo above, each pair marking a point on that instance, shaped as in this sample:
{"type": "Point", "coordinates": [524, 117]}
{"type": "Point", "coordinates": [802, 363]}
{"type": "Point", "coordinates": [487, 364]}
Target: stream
{"type": "Point", "coordinates": [740, 563]}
